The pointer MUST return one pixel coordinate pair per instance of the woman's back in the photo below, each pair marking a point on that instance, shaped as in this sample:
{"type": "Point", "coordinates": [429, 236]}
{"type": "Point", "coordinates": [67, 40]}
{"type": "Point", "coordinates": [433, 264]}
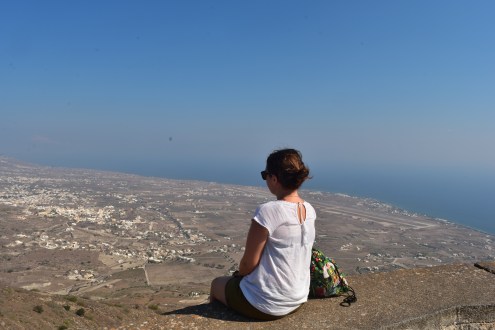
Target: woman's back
{"type": "Point", "coordinates": [280, 283]}
{"type": "Point", "coordinates": [273, 277]}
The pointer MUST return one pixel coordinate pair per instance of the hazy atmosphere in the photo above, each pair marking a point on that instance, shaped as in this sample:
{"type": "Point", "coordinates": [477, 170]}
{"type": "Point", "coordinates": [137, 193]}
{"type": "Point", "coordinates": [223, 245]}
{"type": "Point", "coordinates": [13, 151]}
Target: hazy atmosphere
{"type": "Point", "coordinates": [388, 99]}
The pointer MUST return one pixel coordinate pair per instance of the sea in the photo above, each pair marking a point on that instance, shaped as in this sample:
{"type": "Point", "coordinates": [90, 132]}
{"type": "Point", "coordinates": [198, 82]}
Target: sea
{"type": "Point", "coordinates": [464, 198]}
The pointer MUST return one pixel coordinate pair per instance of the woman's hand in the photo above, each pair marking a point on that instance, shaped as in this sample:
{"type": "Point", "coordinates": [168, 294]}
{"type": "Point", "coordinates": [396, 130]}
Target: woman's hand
{"type": "Point", "coordinates": [255, 243]}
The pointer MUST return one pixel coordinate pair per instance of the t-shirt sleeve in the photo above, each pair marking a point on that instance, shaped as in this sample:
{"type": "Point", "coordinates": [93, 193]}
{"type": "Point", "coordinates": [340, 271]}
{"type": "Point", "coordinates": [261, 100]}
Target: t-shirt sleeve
{"type": "Point", "coordinates": [267, 215]}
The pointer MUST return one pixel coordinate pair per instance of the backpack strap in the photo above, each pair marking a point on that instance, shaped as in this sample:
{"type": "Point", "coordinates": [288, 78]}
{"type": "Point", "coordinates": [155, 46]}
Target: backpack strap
{"type": "Point", "coordinates": [351, 294]}
{"type": "Point", "coordinates": [351, 298]}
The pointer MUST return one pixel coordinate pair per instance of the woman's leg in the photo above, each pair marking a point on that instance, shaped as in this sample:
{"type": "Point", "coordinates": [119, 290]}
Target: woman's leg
{"type": "Point", "coordinates": [217, 291]}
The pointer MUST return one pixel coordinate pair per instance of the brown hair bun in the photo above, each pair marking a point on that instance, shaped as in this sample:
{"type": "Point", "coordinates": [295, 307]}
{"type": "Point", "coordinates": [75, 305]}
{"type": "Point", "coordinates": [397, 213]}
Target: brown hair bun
{"type": "Point", "coordinates": [288, 167]}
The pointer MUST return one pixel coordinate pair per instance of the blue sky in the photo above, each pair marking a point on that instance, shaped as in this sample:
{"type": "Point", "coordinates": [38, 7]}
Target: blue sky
{"type": "Point", "coordinates": [187, 87]}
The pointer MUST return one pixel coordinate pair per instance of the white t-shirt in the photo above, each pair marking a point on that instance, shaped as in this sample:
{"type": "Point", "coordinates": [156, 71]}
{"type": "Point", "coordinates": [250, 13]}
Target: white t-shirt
{"type": "Point", "coordinates": [280, 283]}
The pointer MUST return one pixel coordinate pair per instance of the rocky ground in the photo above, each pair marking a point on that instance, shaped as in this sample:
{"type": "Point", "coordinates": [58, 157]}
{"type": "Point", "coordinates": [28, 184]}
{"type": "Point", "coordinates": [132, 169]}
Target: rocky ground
{"type": "Point", "coordinates": [459, 296]}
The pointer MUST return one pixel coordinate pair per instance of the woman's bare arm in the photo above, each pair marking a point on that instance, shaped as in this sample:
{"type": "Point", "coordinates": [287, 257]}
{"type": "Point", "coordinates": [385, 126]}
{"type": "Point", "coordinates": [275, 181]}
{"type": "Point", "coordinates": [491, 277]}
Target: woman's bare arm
{"type": "Point", "coordinates": [255, 243]}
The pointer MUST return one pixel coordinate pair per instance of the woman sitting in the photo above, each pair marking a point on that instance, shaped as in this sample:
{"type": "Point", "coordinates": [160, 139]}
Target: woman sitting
{"type": "Point", "coordinates": [273, 276]}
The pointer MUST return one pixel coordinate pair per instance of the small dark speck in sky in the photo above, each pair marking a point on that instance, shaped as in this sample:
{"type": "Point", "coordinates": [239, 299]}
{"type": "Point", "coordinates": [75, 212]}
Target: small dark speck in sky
{"type": "Point", "coordinates": [170, 139]}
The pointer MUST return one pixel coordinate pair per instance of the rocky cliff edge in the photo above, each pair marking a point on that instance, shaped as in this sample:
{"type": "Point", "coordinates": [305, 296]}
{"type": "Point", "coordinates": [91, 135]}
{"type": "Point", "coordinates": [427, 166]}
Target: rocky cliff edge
{"type": "Point", "coordinates": [458, 296]}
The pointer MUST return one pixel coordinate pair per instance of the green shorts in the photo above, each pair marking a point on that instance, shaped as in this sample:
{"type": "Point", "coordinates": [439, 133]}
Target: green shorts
{"type": "Point", "coordinates": [236, 301]}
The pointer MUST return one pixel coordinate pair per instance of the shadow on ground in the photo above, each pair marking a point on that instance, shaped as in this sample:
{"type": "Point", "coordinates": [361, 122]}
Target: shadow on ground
{"type": "Point", "coordinates": [213, 310]}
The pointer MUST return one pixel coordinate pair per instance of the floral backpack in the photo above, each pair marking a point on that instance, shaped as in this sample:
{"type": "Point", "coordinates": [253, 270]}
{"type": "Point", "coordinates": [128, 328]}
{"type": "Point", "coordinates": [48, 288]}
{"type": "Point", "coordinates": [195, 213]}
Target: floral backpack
{"type": "Point", "coordinates": [326, 279]}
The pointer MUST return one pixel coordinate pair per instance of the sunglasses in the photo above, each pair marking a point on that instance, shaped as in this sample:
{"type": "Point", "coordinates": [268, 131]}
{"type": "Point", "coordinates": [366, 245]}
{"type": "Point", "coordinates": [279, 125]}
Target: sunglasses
{"type": "Point", "coordinates": [264, 174]}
